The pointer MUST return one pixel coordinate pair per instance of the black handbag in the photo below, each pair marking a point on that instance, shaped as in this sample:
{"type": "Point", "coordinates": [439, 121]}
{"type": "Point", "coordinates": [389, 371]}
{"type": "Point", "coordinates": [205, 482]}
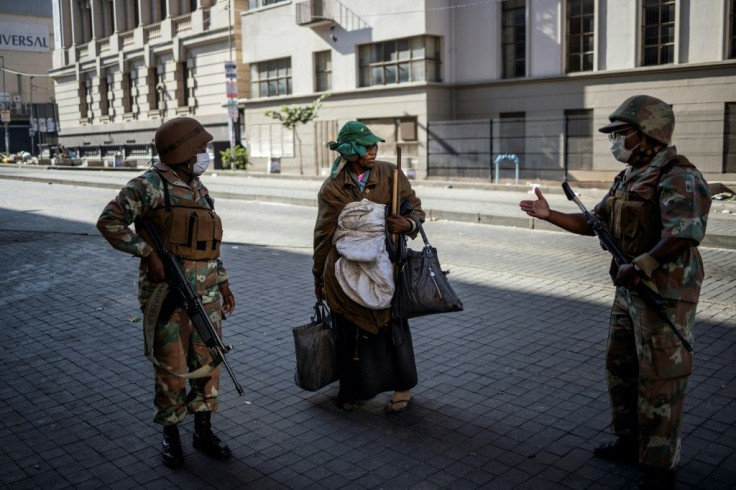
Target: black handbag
{"type": "Point", "coordinates": [316, 358]}
{"type": "Point", "coordinates": [422, 287]}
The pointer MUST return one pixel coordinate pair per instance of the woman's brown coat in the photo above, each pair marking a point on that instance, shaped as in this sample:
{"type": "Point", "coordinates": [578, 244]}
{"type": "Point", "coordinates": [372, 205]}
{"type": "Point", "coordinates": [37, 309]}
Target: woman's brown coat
{"type": "Point", "coordinates": [332, 198]}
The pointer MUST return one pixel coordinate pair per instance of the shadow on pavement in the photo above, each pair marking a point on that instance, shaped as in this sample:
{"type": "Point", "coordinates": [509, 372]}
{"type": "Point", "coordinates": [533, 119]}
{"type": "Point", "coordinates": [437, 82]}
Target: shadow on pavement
{"type": "Point", "coordinates": [511, 391]}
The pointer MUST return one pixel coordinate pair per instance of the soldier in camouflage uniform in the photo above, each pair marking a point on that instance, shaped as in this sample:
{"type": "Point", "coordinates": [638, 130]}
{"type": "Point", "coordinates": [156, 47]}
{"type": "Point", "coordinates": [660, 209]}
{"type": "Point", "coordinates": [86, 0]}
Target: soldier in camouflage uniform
{"type": "Point", "coordinates": [657, 210]}
{"type": "Point", "coordinates": [171, 195]}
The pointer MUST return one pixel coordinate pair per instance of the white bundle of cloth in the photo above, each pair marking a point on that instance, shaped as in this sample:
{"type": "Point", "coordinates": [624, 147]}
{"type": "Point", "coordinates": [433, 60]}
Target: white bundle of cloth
{"type": "Point", "coordinates": [364, 270]}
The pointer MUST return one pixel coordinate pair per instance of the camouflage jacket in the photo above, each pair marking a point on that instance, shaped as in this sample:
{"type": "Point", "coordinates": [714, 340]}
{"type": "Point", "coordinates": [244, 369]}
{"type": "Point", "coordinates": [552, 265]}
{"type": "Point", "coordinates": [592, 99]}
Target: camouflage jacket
{"type": "Point", "coordinates": [137, 200]}
{"type": "Point", "coordinates": [679, 194]}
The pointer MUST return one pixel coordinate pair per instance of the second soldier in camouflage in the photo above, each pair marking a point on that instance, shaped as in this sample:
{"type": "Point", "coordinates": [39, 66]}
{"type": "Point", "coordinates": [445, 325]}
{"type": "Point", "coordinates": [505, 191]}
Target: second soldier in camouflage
{"type": "Point", "coordinates": [656, 210]}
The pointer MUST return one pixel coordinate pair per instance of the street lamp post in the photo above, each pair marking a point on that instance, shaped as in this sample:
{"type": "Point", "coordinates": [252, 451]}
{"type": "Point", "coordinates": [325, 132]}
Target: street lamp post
{"type": "Point", "coordinates": [7, 136]}
{"type": "Point", "coordinates": [33, 130]}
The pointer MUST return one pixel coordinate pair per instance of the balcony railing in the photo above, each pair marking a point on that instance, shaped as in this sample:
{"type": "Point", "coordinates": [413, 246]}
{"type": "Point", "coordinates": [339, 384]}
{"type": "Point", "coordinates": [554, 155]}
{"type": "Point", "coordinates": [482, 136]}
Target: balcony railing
{"type": "Point", "coordinates": [182, 24]}
{"type": "Point", "coordinates": [152, 32]}
{"type": "Point", "coordinates": [314, 13]}
{"type": "Point", "coordinates": [127, 39]}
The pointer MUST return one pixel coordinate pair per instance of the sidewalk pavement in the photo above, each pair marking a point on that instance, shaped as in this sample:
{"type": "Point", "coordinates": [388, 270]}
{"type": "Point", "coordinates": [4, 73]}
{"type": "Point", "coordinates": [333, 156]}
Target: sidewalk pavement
{"type": "Point", "coordinates": [511, 391]}
{"type": "Point", "coordinates": [478, 202]}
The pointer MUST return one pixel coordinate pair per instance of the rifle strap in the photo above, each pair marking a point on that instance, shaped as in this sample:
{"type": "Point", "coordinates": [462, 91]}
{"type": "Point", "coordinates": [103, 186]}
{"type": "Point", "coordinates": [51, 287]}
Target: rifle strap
{"type": "Point", "coordinates": [150, 320]}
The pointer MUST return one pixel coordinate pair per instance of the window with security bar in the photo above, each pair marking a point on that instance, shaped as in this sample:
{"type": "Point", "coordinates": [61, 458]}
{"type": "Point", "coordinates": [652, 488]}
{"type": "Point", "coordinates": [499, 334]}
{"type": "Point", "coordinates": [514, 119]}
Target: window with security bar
{"type": "Point", "coordinates": [580, 35]}
{"type": "Point", "coordinates": [732, 30]}
{"type": "Point", "coordinates": [657, 32]}
{"type": "Point", "coordinates": [413, 59]}
{"type": "Point", "coordinates": [513, 38]}
{"type": "Point", "coordinates": [322, 71]}
{"type": "Point", "coordinates": [271, 78]}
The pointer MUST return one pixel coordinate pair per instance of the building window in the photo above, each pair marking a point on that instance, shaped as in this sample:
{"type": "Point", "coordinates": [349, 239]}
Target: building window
{"type": "Point", "coordinates": [255, 4]}
{"type": "Point", "coordinates": [187, 6]}
{"type": "Point", "coordinates": [513, 43]}
{"type": "Point", "coordinates": [271, 140]}
{"type": "Point", "coordinates": [155, 89]}
{"type": "Point", "coordinates": [512, 133]}
{"type": "Point", "coordinates": [729, 138]}
{"type": "Point", "coordinates": [732, 31]}
{"type": "Point", "coordinates": [108, 19]}
{"type": "Point", "coordinates": [183, 82]}
{"type": "Point", "coordinates": [84, 105]}
{"type": "Point", "coordinates": [658, 32]}
{"type": "Point", "coordinates": [323, 71]}
{"type": "Point", "coordinates": [104, 90]}
{"type": "Point", "coordinates": [578, 140]}
{"type": "Point", "coordinates": [128, 87]}
{"type": "Point", "coordinates": [86, 24]}
{"type": "Point", "coordinates": [157, 9]}
{"type": "Point", "coordinates": [271, 78]}
{"type": "Point", "coordinates": [130, 18]}
{"type": "Point", "coordinates": [580, 34]}
{"type": "Point", "coordinates": [415, 59]}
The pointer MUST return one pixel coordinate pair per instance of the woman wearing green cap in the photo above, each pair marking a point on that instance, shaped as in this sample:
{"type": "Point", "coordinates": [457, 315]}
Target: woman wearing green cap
{"type": "Point", "coordinates": [374, 351]}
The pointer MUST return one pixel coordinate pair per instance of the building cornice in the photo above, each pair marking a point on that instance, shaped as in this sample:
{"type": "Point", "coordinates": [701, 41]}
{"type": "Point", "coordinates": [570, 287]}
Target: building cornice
{"type": "Point", "coordinates": [653, 71]}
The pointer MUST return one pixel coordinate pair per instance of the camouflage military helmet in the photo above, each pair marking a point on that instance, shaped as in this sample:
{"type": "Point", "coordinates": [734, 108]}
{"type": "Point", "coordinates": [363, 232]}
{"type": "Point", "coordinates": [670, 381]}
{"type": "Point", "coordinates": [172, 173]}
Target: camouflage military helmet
{"type": "Point", "coordinates": [650, 115]}
{"type": "Point", "coordinates": [178, 139]}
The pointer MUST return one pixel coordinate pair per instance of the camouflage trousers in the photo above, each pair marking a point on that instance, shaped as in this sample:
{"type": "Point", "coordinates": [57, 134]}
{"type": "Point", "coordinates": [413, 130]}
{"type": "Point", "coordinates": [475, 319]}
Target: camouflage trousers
{"type": "Point", "coordinates": [178, 346]}
{"type": "Point", "coordinates": [648, 369]}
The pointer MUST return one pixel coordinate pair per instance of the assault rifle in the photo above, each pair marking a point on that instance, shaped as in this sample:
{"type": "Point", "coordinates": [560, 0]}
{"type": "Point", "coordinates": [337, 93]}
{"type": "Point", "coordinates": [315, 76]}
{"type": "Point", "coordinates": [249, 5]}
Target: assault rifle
{"type": "Point", "coordinates": [650, 297]}
{"type": "Point", "coordinates": [189, 299]}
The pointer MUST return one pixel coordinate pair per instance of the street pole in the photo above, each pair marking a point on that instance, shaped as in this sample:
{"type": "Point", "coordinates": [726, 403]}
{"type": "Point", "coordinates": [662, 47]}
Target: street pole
{"type": "Point", "coordinates": [230, 128]}
{"type": "Point", "coordinates": [33, 130]}
{"type": "Point", "coordinates": [7, 136]}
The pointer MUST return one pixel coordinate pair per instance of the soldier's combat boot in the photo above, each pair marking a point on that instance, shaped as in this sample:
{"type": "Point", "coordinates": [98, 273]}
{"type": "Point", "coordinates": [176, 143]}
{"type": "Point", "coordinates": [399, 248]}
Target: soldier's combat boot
{"type": "Point", "coordinates": [171, 453]}
{"type": "Point", "coordinates": [657, 479]}
{"type": "Point", "coordinates": [621, 451]}
{"type": "Point", "coordinates": [205, 440]}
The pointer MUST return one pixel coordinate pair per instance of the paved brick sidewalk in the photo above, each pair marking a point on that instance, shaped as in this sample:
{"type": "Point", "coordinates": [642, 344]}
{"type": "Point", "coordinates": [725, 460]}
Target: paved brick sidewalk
{"type": "Point", "coordinates": [511, 391]}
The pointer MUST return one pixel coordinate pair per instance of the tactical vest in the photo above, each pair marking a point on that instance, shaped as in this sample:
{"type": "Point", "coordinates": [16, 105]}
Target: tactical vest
{"type": "Point", "coordinates": [189, 229]}
{"type": "Point", "coordinates": [633, 219]}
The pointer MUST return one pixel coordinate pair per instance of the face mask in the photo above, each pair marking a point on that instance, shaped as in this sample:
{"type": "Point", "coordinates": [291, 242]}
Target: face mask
{"type": "Point", "coordinates": [203, 161]}
{"type": "Point", "coordinates": [618, 148]}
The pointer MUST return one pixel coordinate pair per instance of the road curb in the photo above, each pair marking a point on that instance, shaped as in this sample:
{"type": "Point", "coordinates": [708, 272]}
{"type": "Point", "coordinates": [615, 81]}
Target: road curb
{"type": "Point", "coordinates": [710, 240]}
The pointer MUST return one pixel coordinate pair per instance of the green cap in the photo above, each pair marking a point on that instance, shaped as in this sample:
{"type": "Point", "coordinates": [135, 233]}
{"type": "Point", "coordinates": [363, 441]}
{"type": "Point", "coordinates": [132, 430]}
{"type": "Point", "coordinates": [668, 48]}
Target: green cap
{"type": "Point", "coordinates": [352, 139]}
{"type": "Point", "coordinates": [358, 132]}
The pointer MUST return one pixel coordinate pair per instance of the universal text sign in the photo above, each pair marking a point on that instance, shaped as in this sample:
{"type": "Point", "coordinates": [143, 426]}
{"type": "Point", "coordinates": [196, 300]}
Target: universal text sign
{"type": "Point", "coordinates": [24, 37]}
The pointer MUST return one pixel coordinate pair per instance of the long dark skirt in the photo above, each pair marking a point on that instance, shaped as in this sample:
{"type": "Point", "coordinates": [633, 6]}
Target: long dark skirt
{"type": "Point", "coordinates": [370, 364]}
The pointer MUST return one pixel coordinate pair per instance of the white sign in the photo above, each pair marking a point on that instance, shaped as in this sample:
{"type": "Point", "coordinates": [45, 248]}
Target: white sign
{"type": "Point", "coordinates": [17, 36]}
{"type": "Point", "coordinates": [231, 69]}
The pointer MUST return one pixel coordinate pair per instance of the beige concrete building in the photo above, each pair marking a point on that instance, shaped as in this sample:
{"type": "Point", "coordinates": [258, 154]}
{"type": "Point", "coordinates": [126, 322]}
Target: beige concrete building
{"type": "Point", "coordinates": [459, 83]}
{"type": "Point", "coordinates": [122, 67]}
{"type": "Point", "coordinates": [460, 86]}
{"type": "Point", "coordinates": [26, 94]}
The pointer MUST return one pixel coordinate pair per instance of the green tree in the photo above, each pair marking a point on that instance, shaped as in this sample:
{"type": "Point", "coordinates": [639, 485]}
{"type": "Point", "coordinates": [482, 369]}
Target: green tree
{"type": "Point", "coordinates": [235, 158]}
{"type": "Point", "coordinates": [292, 116]}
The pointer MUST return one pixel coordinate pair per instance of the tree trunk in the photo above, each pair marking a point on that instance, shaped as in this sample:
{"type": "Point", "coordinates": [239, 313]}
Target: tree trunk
{"type": "Point", "coordinates": [299, 149]}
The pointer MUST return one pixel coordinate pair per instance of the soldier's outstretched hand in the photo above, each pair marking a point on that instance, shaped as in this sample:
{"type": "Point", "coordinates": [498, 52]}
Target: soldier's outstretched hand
{"type": "Point", "coordinates": [536, 209]}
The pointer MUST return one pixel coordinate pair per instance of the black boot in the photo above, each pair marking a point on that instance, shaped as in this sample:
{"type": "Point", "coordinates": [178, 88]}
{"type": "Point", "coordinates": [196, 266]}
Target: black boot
{"type": "Point", "coordinates": [171, 453]}
{"type": "Point", "coordinates": [621, 451]}
{"type": "Point", "coordinates": [205, 440]}
{"type": "Point", "coordinates": [657, 479]}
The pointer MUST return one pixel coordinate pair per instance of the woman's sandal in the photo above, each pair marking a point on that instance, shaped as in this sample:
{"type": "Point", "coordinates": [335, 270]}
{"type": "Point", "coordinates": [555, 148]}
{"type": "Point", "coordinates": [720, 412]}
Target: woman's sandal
{"type": "Point", "coordinates": [391, 406]}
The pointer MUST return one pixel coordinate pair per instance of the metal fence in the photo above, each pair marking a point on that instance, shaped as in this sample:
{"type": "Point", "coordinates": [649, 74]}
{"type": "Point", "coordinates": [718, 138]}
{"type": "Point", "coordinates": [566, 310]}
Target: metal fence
{"type": "Point", "coordinates": [551, 148]}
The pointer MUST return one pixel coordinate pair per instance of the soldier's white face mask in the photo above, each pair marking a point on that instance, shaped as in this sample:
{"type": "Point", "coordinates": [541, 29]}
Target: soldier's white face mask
{"type": "Point", "coordinates": [618, 148]}
{"type": "Point", "coordinates": [203, 161]}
